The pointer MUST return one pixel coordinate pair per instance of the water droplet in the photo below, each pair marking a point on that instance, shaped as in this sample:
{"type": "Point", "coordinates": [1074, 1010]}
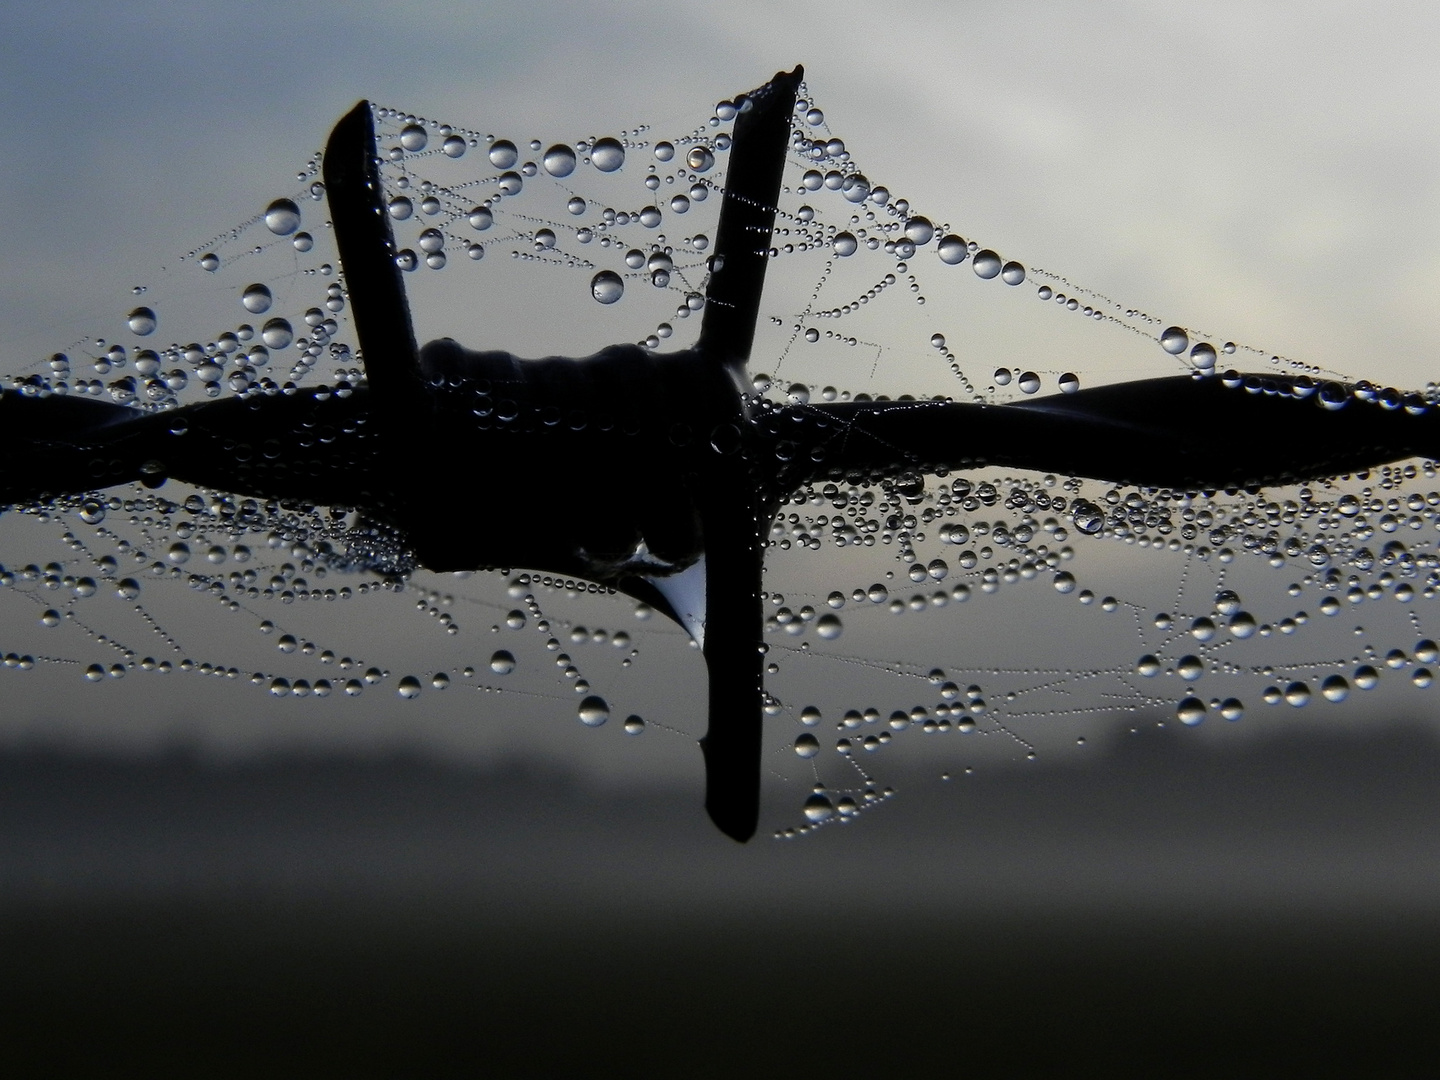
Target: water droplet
{"type": "Point", "coordinates": [282, 217]}
{"type": "Point", "coordinates": [829, 627]}
{"type": "Point", "coordinates": [1242, 624]}
{"type": "Point", "coordinates": [1148, 665]}
{"type": "Point", "coordinates": [432, 240]}
{"type": "Point", "coordinates": [454, 146]}
{"type": "Point", "coordinates": [1232, 709]}
{"type": "Point", "coordinates": [1064, 582]}
{"type": "Point", "coordinates": [256, 298]}
{"type": "Point", "coordinates": [987, 264]}
{"type": "Point", "coordinates": [607, 287]}
{"type": "Point", "coordinates": [953, 250]}
{"type": "Point", "coordinates": [634, 725]}
{"type": "Point", "coordinates": [127, 588]}
{"type": "Point", "coordinates": [919, 231]}
{"type": "Point", "coordinates": [1190, 712]}
{"type": "Point", "coordinates": [400, 207]}
{"type": "Point", "coordinates": [1203, 628]}
{"type": "Point", "coordinates": [1012, 273]}
{"type": "Point", "coordinates": [413, 137]}
{"type": "Point", "coordinates": [1422, 677]}
{"type": "Point", "coordinates": [481, 218]}
{"type": "Point", "coordinates": [664, 151]}
{"type": "Point", "coordinates": [1366, 677]}
{"type": "Point", "coordinates": [440, 680]}
{"type": "Point", "coordinates": [593, 711]}
{"type": "Point", "coordinates": [1029, 382]}
{"type": "Point", "coordinates": [607, 154]}
{"type": "Point", "coordinates": [503, 154]}
{"type": "Point", "coordinates": [277, 333]}
{"type": "Point", "coordinates": [142, 321]}
{"type": "Point", "coordinates": [1335, 688]}
{"type": "Point", "coordinates": [502, 662]}
{"type": "Point", "coordinates": [700, 158]}
{"type": "Point", "coordinates": [1002, 376]}
{"type": "Point", "coordinates": [818, 808]}
{"type": "Point", "coordinates": [210, 261]}
{"type": "Point", "coordinates": [1297, 694]}
{"type": "Point", "coordinates": [1203, 356]}
{"type": "Point", "coordinates": [1069, 383]}
{"type": "Point", "coordinates": [806, 745]}
{"type": "Point", "coordinates": [179, 552]}
{"type": "Point", "coordinates": [1189, 668]}
{"type": "Point", "coordinates": [409, 687]}
{"type": "Point", "coordinates": [846, 244]}
{"type": "Point", "coordinates": [94, 673]}
{"type": "Point", "coordinates": [559, 160]}
{"type": "Point", "coordinates": [1174, 340]}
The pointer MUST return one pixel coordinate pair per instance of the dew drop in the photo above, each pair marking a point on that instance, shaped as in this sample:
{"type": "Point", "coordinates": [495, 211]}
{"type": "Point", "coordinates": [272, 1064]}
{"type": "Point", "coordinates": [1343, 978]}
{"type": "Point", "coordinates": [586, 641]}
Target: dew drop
{"type": "Point", "coordinates": [409, 687]}
{"type": "Point", "coordinates": [502, 662]}
{"type": "Point", "coordinates": [919, 231]}
{"type": "Point", "coordinates": [1191, 711]}
{"type": "Point", "coordinates": [400, 207]}
{"type": "Point", "coordinates": [818, 808]}
{"type": "Point", "coordinates": [1232, 709]}
{"type": "Point", "coordinates": [210, 261]}
{"type": "Point", "coordinates": [256, 298]}
{"type": "Point", "coordinates": [1069, 383]}
{"type": "Point", "coordinates": [634, 725]}
{"type": "Point", "coordinates": [277, 334]}
{"type": "Point", "coordinates": [1029, 382]}
{"type": "Point", "coordinates": [593, 711]}
{"type": "Point", "coordinates": [829, 627]}
{"type": "Point", "coordinates": [607, 287]}
{"type": "Point", "coordinates": [953, 250]}
{"type": "Point", "coordinates": [142, 322]}
{"type": "Point", "coordinates": [282, 217]}
{"type": "Point", "coordinates": [453, 146]}
{"type": "Point", "coordinates": [413, 137]}
{"type": "Point", "coordinates": [1174, 340]}
{"type": "Point", "coordinates": [503, 154]}
{"type": "Point", "coordinates": [1203, 356]}
{"type": "Point", "coordinates": [481, 218]}
{"type": "Point", "coordinates": [845, 244]}
{"type": "Point", "coordinates": [806, 745]}
{"type": "Point", "coordinates": [607, 154]}
{"type": "Point", "coordinates": [559, 160]}
{"type": "Point", "coordinates": [1335, 688]}
{"type": "Point", "coordinates": [1297, 694]}
{"type": "Point", "coordinates": [1064, 582]}
{"type": "Point", "coordinates": [1012, 273]}
{"type": "Point", "coordinates": [127, 588]}
{"type": "Point", "coordinates": [987, 264]}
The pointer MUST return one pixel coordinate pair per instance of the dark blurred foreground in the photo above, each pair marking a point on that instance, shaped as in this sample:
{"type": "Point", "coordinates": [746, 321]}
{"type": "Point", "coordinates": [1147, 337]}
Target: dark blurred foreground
{"type": "Point", "coordinates": [1170, 909]}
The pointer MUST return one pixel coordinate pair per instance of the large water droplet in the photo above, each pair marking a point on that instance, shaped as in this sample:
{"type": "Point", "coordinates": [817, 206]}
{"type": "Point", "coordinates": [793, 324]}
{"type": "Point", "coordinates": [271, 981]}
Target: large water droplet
{"type": "Point", "coordinates": [454, 146]}
{"type": "Point", "coordinates": [700, 158]}
{"type": "Point", "coordinates": [1297, 694]}
{"type": "Point", "coordinates": [1012, 273]}
{"type": "Point", "coordinates": [277, 333]}
{"type": "Point", "coordinates": [607, 154]}
{"type": "Point", "coordinates": [1335, 688]}
{"type": "Point", "coordinates": [1029, 382]}
{"type": "Point", "coordinates": [142, 321]}
{"type": "Point", "coordinates": [409, 687]}
{"type": "Point", "coordinates": [256, 298]}
{"type": "Point", "coordinates": [607, 287]}
{"type": "Point", "coordinates": [503, 154]}
{"type": "Point", "coordinates": [1174, 340]}
{"type": "Point", "coordinates": [806, 745]}
{"type": "Point", "coordinates": [953, 250]}
{"type": "Point", "coordinates": [1203, 356]}
{"type": "Point", "coordinates": [413, 137]}
{"type": "Point", "coordinates": [818, 808]}
{"type": "Point", "coordinates": [593, 711]}
{"type": "Point", "coordinates": [829, 627]}
{"type": "Point", "coordinates": [559, 160]}
{"type": "Point", "coordinates": [481, 218]}
{"type": "Point", "coordinates": [502, 662]}
{"type": "Point", "coordinates": [846, 244]}
{"type": "Point", "coordinates": [919, 231]}
{"type": "Point", "coordinates": [987, 264]}
{"type": "Point", "coordinates": [1190, 711]}
{"type": "Point", "coordinates": [400, 207]}
{"type": "Point", "coordinates": [282, 217]}
{"type": "Point", "coordinates": [1069, 383]}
